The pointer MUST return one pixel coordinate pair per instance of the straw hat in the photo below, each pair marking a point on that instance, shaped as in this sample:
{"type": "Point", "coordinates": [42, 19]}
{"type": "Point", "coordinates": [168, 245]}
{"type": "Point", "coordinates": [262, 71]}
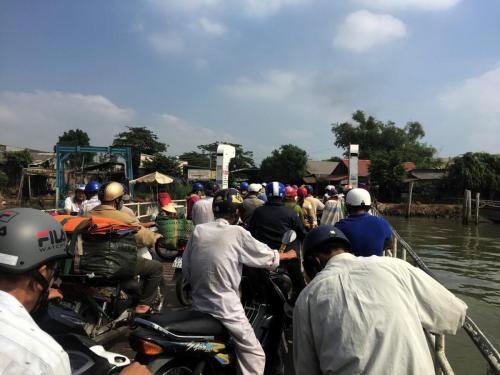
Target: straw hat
{"type": "Point", "coordinates": [166, 203]}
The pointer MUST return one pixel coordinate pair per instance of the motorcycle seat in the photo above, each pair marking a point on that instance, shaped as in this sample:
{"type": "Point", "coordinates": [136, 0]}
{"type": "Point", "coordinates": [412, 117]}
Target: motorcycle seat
{"type": "Point", "coordinates": [127, 284]}
{"type": "Point", "coordinates": [191, 323]}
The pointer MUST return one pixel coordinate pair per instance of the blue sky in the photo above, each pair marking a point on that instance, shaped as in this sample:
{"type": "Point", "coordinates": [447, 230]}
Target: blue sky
{"type": "Point", "coordinates": [256, 72]}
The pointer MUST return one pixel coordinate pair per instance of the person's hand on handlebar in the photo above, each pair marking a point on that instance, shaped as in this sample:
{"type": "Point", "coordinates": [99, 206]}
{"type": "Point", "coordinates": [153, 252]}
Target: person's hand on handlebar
{"type": "Point", "coordinates": [291, 254]}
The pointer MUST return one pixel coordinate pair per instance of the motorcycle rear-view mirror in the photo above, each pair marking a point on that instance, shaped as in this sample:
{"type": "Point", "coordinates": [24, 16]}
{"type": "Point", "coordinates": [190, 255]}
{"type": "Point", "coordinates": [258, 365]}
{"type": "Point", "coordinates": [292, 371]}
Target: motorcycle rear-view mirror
{"type": "Point", "coordinates": [289, 237]}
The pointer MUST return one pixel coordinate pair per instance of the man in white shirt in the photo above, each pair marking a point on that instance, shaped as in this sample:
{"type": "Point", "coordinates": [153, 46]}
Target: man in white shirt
{"type": "Point", "coordinates": [92, 201]}
{"type": "Point", "coordinates": [202, 210]}
{"type": "Point", "coordinates": [31, 244]}
{"type": "Point", "coordinates": [366, 315]}
{"type": "Point", "coordinates": [212, 263]}
{"type": "Point", "coordinates": [72, 204]}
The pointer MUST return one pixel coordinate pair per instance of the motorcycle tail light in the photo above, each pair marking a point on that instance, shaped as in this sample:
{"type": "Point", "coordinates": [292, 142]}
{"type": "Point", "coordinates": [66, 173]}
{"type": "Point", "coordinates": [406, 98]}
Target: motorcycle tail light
{"type": "Point", "coordinates": [146, 347]}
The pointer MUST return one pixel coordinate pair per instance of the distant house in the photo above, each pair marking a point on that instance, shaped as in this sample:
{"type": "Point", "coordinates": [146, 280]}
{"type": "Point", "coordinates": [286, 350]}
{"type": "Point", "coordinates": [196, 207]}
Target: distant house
{"type": "Point", "coordinates": [319, 171]}
{"type": "Point", "coordinates": [341, 174]}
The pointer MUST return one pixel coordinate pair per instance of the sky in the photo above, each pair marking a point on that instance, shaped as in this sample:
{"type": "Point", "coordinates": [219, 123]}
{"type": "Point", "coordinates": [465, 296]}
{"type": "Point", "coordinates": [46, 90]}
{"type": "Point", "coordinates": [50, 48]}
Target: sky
{"type": "Point", "coordinates": [261, 73]}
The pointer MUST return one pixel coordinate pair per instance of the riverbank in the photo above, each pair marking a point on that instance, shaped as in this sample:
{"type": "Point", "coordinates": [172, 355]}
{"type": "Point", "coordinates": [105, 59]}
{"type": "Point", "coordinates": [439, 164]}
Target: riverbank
{"type": "Point", "coordinates": [449, 211]}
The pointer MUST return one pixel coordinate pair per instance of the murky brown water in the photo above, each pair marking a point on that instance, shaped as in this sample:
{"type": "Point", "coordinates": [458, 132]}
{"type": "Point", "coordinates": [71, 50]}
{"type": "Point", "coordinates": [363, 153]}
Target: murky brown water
{"type": "Point", "coordinates": [466, 259]}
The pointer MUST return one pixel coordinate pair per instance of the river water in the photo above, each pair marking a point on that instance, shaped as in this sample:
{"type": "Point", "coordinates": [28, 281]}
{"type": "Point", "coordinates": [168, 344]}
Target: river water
{"type": "Point", "coordinates": [466, 259]}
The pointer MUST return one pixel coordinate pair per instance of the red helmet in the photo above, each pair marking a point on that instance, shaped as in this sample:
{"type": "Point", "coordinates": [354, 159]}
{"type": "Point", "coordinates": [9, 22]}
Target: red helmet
{"type": "Point", "coordinates": [302, 192]}
{"type": "Point", "coordinates": [290, 192]}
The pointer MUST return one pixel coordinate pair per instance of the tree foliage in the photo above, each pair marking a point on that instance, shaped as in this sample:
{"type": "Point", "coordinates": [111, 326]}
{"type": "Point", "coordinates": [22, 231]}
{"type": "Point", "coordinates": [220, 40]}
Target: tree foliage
{"type": "Point", "coordinates": [76, 137]}
{"type": "Point", "coordinates": [195, 158]}
{"type": "Point", "coordinates": [4, 179]}
{"type": "Point", "coordinates": [286, 164]}
{"type": "Point", "coordinates": [141, 140]}
{"type": "Point", "coordinates": [477, 171]}
{"type": "Point", "coordinates": [388, 147]}
{"type": "Point", "coordinates": [168, 165]}
{"type": "Point", "coordinates": [15, 161]}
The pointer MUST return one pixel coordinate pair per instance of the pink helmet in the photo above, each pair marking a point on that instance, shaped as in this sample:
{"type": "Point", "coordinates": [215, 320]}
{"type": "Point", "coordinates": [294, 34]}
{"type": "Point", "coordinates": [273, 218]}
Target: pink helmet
{"type": "Point", "coordinates": [302, 192]}
{"type": "Point", "coordinates": [290, 192]}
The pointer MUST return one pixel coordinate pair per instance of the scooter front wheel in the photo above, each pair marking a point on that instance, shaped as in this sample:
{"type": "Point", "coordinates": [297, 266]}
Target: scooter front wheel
{"type": "Point", "coordinates": [183, 290]}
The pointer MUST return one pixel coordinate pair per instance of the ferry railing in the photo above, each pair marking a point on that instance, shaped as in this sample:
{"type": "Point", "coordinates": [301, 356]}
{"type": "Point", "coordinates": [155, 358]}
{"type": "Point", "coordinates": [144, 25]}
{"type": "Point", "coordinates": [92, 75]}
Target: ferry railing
{"type": "Point", "coordinates": [442, 365]}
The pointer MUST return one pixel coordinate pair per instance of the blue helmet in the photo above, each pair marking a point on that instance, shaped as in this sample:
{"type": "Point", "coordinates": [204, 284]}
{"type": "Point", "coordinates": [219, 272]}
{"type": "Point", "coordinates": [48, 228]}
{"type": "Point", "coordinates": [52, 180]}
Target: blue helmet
{"type": "Point", "coordinates": [275, 189]}
{"type": "Point", "coordinates": [92, 187]}
{"type": "Point", "coordinates": [197, 187]}
{"type": "Point", "coordinates": [244, 186]}
{"type": "Point", "coordinates": [309, 189]}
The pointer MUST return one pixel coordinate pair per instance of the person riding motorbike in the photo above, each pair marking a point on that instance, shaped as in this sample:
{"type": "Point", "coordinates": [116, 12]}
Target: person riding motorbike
{"type": "Point", "coordinates": [72, 204]}
{"type": "Point", "coordinates": [369, 235]}
{"type": "Point", "coordinates": [195, 196]}
{"type": "Point", "coordinates": [270, 221]}
{"type": "Point", "coordinates": [307, 209]}
{"type": "Point", "coordinates": [344, 321]}
{"type": "Point", "coordinates": [91, 190]}
{"type": "Point", "coordinates": [250, 202]}
{"type": "Point", "coordinates": [110, 194]}
{"type": "Point", "coordinates": [316, 204]}
{"type": "Point", "coordinates": [290, 200]}
{"type": "Point", "coordinates": [244, 189]}
{"type": "Point", "coordinates": [213, 262]}
{"type": "Point", "coordinates": [202, 210]}
{"type": "Point", "coordinates": [332, 213]}
{"type": "Point", "coordinates": [31, 245]}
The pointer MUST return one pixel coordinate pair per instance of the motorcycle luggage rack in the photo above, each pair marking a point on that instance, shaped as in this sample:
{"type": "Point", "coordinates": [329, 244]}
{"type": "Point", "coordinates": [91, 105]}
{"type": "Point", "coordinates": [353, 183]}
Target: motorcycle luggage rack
{"type": "Point", "coordinates": [147, 324]}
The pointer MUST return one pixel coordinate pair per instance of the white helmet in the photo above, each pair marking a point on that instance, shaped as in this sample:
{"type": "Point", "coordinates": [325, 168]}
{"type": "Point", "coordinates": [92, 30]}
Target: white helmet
{"type": "Point", "coordinates": [358, 197]}
{"type": "Point", "coordinates": [254, 188]}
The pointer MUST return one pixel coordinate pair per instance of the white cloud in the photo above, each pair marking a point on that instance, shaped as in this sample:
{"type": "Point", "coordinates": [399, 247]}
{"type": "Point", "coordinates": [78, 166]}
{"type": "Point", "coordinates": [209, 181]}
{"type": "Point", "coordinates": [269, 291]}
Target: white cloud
{"type": "Point", "coordinates": [250, 8]}
{"type": "Point", "coordinates": [36, 119]}
{"type": "Point", "coordinates": [409, 4]}
{"type": "Point", "coordinates": [184, 5]}
{"type": "Point", "coordinates": [265, 8]}
{"type": "Point", "coordinates": [363, 30]}
{"type": "Point", "coordinates": [186, 135]}
{"type": "Point", "coordinates": [473, 108]}
{"type": "Point", "coordinates": [275, 85]}
{"type": "Point", "coordinates": [166, 44]}
{"type": "Point", "coordinates": [210, 27]}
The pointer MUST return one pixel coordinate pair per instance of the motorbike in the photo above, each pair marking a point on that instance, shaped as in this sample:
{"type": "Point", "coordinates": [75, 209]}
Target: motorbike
{"type": "Point", "coordinates": [192, 342]}
{"type": "Point", "coordinates": [105, 304]}
{"type": "Point", "coordinates": [86, 356]}
{"type": "Point", "coordinates": [182, 286]}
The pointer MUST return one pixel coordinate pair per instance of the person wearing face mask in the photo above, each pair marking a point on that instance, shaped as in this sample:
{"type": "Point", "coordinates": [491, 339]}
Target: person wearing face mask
{"type": "Point", "coordinates": [32, 244]}
{"type": "Point", "coordinates": [366, 315]}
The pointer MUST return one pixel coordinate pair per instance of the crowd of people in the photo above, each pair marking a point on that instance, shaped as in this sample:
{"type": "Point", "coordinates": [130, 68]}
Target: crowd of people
{"type": "Point", "coordinates": [356, 311]}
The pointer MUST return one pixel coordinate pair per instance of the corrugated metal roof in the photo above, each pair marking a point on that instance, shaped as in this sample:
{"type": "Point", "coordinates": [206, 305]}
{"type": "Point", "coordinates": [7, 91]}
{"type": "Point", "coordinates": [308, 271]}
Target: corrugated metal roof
{"type": "Point", "coordinates": [427, 174]}
{"type": "Point", "coordinates": [316, 167]}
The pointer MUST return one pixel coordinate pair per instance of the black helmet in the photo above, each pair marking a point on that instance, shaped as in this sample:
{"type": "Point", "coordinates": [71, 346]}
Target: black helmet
{"type": "Point", "coordinates": [29, 238]}
{"type": "Point", "coordinates": [316, 239]}
{"type": "Point", "coordinates": [226, 201]}
{"type": "Point", "coordinates": [212, 186]}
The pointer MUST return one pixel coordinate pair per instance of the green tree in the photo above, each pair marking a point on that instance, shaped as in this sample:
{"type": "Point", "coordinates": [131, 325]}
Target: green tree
{"type": "Point", "coordinates": [76, 137]}
{"type": "Point", "coordinates": [4, 180]}
{"type": "Point", "coordinates": [477, 171]}
{"type": "Point", "coordinates": [15, 161]}
{"type": "Point", "coordinates": [195, 158]}
{"type": "Point", "coordinates": [141, 140]}
{"type": "Point", "coordinates": [286, 164]}
{"type": "Point", "coordinates": [388, 147]}
{"type": "Point", "coordinates": [168, 165]}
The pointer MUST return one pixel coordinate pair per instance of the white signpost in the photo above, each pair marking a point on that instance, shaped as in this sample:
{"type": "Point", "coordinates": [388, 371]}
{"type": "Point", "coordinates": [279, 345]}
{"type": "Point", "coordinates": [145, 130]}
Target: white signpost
{"type": "Point", "coordinates": [224, 155]}
{"type": "Point", "coordinates": [353, 165]}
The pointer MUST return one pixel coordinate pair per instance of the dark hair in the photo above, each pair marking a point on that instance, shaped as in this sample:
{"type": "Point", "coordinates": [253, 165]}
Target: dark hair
{"type": "Point", "coordinates": [226, 215]}
{"type": "Point", "coordinates": [16, 278]}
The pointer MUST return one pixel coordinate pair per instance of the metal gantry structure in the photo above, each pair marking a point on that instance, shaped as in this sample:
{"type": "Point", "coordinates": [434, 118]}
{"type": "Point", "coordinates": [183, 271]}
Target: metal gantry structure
{"type": "Point", "coordinates": [63, 153]}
